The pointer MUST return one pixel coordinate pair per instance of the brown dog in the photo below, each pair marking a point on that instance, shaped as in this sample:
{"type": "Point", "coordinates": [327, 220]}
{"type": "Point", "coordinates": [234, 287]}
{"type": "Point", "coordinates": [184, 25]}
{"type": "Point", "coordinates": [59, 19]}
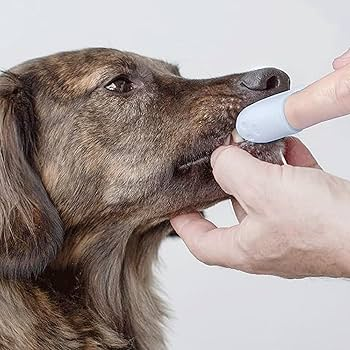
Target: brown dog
{"type": "Point", "coordinates": [98, 149]}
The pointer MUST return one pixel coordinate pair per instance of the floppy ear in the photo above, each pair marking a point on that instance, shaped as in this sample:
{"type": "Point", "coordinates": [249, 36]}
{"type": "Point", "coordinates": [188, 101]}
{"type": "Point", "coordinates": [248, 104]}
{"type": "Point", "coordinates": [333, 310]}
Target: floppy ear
{"type": "Point", "coordinates": [30, 227]}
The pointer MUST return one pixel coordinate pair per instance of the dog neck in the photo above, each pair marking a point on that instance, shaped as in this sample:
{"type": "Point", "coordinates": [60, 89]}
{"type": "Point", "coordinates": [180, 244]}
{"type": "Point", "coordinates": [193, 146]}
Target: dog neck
{"type": "Point", "coordinates": [112, 277]}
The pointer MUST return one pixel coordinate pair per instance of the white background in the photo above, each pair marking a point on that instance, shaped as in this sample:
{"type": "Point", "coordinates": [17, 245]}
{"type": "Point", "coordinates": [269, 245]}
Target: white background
{"type": "Point", "coordinates": [216, 308]}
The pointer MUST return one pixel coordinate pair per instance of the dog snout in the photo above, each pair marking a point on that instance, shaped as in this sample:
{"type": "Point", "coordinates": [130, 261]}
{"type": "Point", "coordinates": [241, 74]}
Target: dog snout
{"type": "Point", "coordinates": [267, 80]}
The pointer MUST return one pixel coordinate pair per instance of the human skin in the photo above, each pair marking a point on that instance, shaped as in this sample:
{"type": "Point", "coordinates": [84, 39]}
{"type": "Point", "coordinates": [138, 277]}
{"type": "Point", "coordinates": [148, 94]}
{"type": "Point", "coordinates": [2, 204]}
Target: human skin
{"type": "Point", "coordinates": [325, 99]}
{"type": "Point", "coordinates": [294, 219]}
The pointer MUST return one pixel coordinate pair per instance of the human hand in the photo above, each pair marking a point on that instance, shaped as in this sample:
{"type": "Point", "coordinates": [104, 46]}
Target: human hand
{"type": "Point", "coordinates": [325, 99]}
{"type": "Point", "coordinates": [294, 219]}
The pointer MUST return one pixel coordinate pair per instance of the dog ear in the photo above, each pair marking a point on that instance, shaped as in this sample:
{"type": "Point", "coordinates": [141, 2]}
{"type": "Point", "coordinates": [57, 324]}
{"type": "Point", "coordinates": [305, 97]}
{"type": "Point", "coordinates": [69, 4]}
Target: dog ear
{"type": "Point", "coordinates": [31, 230]}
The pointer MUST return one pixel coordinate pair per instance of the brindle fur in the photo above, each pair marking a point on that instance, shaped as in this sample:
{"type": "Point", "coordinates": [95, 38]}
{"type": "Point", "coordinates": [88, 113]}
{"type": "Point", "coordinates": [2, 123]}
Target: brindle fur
{"type": "Point", "coordinates": [88, 181]}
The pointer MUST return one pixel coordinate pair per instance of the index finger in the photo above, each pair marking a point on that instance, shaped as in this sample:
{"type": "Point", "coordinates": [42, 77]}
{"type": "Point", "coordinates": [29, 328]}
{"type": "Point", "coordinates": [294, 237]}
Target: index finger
{"type": "Point", "coordinates": [209, 244]}
{"type": "Point", "coordinates": [323, 100]}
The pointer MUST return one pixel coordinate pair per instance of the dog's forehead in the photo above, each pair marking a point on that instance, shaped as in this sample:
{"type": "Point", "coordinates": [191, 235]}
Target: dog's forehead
{"type": "Point", "coordinates": [153, 63]}
{"type": "Point", "coordinates": [80, 71]}
{"type": "Point", "coordinates": [105, 58]}
{"type": "Point", "coordinates": [90, 59]}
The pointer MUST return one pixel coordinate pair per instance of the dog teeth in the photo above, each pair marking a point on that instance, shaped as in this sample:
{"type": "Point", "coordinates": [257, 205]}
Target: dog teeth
{"type": "Point", "coordinates": [228, 140]}
{"type": "Point", "coordinates": [233, 138]}
{"type": "Point", "coordinates": [236, 137]}
{"type": "Point", "coordinates": [282, 158]}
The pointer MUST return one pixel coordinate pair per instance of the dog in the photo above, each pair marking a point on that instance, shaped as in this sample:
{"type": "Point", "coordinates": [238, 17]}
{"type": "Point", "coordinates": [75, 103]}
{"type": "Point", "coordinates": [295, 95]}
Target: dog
{"type": "Point", "coordinates": [99, 148]}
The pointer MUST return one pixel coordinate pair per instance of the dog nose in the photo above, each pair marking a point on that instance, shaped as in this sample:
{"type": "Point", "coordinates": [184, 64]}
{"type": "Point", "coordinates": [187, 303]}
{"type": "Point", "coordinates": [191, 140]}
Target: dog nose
{"type": "Point", "coordinates": [266, 79]}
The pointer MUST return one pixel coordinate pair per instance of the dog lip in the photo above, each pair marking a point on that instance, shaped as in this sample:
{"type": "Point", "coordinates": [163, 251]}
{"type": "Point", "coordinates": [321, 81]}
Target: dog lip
{"type": "Point", "coordinates": [201, 159]}
{"type": "Point", "coordinates": [197, 162]}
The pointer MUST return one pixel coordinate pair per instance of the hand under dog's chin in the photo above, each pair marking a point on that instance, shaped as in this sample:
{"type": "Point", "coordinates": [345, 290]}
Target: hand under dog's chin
{"type": "Point", "coordinates": [199, 188]}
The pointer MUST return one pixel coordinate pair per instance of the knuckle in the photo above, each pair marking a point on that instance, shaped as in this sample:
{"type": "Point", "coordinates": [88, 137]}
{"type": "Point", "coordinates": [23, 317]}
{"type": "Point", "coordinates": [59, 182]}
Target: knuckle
{"type": "Point", "coordinates": [197, 248]}
{"type": "Point", "coordinates": [253, 193]}
{"type": "Point", "coordinates": [242, 258]}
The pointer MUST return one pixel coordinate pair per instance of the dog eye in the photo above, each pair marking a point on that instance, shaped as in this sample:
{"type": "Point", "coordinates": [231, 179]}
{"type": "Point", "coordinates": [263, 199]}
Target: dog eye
{"type": "Point", "coordinates": [120, 84]}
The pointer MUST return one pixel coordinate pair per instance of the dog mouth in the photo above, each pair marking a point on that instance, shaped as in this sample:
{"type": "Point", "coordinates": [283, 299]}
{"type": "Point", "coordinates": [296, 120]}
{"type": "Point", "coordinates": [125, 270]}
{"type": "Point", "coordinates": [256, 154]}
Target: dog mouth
{"type": "Point", "coordinates": [233, 138]}
{"type": "Point", "coordinates": [270, 152]}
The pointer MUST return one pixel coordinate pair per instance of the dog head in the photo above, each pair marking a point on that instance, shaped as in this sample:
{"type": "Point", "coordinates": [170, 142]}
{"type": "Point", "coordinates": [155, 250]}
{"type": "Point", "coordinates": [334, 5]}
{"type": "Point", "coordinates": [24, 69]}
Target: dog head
{"type": "Point", "coordinates": [99, 133]}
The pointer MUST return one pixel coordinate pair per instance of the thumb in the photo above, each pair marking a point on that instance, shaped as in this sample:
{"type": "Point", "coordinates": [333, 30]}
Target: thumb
{"type": "Point", "coordinates": [241, 175]}
{"type": "Point", "coordinates": [325, 99]}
